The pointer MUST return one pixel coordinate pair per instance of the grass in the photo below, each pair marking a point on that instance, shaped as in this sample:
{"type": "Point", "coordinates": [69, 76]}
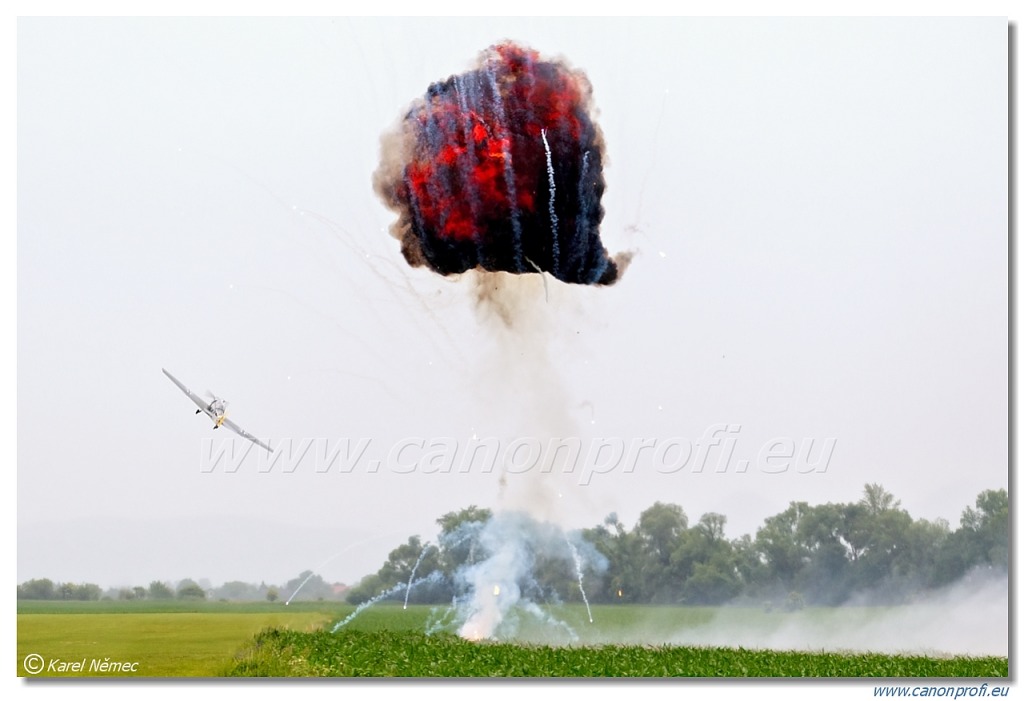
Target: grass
{"type": "Point", "coordinates": [354, 653]}
{"type": "Point", "coordinates": [165, 640]}
{"type": "Point", "coordinates": [202, 639]}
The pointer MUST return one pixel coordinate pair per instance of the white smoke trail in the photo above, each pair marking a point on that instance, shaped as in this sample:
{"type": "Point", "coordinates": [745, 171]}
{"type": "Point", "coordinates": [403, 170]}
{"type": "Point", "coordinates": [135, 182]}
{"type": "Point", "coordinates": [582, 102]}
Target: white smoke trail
{"type": "Point", "coordinates": [579, 576]}
{"type": "Point", "coordinates": [412, 574]}
{"type": "Point", "coordinates": [551, 201]}
{"type": "Point", "coordinates": [310, 576]}
{"type": "Point", "coordinates": [432, 577]}
{"type": "Point", "coordinates": [324, 563]}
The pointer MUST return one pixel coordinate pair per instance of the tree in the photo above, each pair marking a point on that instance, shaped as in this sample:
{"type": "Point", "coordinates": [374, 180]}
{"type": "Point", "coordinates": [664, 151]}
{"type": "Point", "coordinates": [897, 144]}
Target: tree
{"type": "Point", "coordinates": [272, 594]}
{"type": "Point", "coordinates": [307, 586]}
{"type": "Point", "coordinates": [854, 530]}
{"type": "Point", "coordinates": [459, 535]}
{"type": "Point", "coordinates": [825, 577]}
{"type": "Point", "coordinates": [982, 540]}
{"type": "Point", "coordinates": [886, 529]}
{"type": "Point", "coordinates": [188, 589]}
{"type": "Point", "coordinates": [778, 544]}
{"type": "Point", "coordinates": [707, 560]}
{"type": "Point", "coordinates": [454, 520]}
{"type": "Point", "coordinates": [925, 541]}
{"type": "Point", "coordinates": [712, 583]}
{"type": "Point", "coordinates": [751, 567]}
{"type": "Point", "coordinates": [621, 582]}
{"type": "Point", "coordinates": [659, 532]}
{"type": "Point", "coordinates": [159, 590]}
{"type": "Point", "coordinates": [37, 589]}
{"type": "Point", "coordinates": [399, 565]}
{"type": "Point", "coordinates": [87, 592]}
{"type": "Point", "coordinates": [368, 587]}
{"type": "Point", "coordinates": [712, 527]}
{"type": "Point", "coordinates": [660, 527]}
{"type": "Point", "coordinates": [238, 591]}
{"type": "Point", "coordinates": [877, 501]}
{"type": "Point", "coordinates": [989, 528]}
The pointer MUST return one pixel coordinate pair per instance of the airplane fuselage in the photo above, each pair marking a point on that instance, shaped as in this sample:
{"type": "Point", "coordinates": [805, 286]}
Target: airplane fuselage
{"type": "Point", "coordinates": [217, 411]}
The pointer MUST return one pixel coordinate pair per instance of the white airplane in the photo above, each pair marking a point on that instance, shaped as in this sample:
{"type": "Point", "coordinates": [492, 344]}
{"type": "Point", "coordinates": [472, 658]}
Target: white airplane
{"type": "Point", "coordinates": [216, 409]}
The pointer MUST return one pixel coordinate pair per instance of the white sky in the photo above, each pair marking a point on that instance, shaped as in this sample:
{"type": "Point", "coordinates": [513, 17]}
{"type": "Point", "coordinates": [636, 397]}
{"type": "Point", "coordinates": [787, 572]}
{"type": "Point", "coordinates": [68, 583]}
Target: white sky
{"type": "Point", "coordinates": [819, 209]}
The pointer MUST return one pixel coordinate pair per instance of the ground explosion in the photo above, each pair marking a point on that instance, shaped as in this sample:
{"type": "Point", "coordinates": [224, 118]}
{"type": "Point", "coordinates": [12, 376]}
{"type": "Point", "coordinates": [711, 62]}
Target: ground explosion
{"type": "Point", "coordinates": [500, 168]}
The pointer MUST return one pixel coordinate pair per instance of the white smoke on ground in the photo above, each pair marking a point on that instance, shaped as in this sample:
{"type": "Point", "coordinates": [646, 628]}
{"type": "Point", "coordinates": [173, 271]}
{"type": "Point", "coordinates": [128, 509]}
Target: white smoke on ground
{"type": "Point", "coordinates": [970, 617]}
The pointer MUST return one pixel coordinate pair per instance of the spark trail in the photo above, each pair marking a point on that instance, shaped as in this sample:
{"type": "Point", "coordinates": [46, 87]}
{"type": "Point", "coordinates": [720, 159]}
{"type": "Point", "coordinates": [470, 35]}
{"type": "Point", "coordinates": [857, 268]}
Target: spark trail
{"type": "Point", "coordinates": [432, 577]}
{"type": "Point", "coordinates": [412, 574]}
{"type": "Point", "coordinates": [579, 575]}
{"type": "Point", "coordinates": [324, 563]}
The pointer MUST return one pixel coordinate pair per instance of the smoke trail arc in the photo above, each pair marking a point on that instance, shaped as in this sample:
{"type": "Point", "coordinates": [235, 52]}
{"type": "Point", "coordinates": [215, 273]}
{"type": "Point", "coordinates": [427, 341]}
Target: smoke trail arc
{"type": "Point", "coordinates": [578, 564]}
{"type": "Point", "coordinates": [500, 169]}
{"type": "Point", "coordinates": [412, 575]}
{"type": "Point", "coordinates": [431, 578]}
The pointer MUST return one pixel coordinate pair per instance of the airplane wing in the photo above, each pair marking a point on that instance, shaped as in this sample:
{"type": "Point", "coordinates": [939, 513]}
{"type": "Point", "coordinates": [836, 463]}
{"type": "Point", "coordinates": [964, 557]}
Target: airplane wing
{"type": "Point", "coordinates": [245, 434]}
{"type": "Point", "coordinates": [204, 405]}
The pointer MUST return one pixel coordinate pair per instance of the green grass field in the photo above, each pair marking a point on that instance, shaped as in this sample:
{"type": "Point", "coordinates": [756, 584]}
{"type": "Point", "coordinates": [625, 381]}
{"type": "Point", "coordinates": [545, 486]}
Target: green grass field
{"type": "Point", "coordinates": [203, 639]}
{"type": "Point", "coordinates": [165, 638]}
{"type": "Point", "coordinates": [280, 653]}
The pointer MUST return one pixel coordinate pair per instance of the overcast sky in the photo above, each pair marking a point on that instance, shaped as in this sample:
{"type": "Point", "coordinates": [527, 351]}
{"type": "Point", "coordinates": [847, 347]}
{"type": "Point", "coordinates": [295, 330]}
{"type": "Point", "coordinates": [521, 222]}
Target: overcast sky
{"type": "Point", "coordinates": [818, 210]}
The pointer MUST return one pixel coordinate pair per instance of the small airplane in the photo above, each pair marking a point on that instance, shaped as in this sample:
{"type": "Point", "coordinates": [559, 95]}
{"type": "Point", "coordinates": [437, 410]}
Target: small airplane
{"type": "Point", "coordinates": [216, 409]}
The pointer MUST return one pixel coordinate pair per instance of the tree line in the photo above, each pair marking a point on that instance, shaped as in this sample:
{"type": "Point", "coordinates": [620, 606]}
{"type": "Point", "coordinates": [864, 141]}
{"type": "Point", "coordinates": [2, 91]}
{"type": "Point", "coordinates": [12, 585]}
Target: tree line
{"type": "Point", "coordinates": [307, 585]}
{"type": "Point", "coordinates": [871, 550]}
{"type": "Point", "coordinates": [47, 590]}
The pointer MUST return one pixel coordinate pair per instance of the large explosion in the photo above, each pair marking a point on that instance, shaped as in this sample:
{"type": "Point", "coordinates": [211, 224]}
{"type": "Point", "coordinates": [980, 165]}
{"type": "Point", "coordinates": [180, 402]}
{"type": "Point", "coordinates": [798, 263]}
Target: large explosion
{"type": "Point", "coordinates": [500, 168]}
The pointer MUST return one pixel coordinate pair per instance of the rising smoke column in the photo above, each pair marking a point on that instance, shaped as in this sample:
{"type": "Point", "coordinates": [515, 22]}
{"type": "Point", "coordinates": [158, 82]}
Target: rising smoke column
{"type": "Point", "coordinates": [500, 168]}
